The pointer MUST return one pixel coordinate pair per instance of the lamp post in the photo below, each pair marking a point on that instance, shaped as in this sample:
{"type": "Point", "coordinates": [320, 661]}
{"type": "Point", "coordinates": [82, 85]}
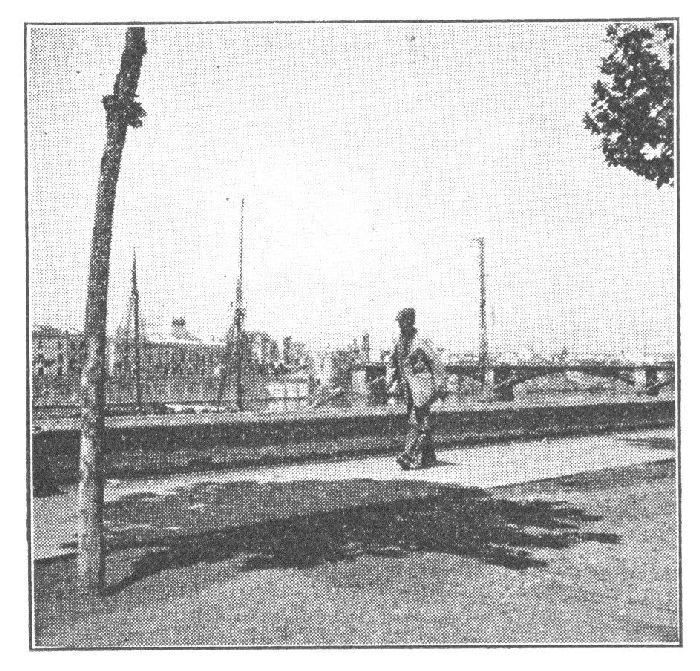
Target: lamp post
{"type": "Point", "coordinates": [483, 336]}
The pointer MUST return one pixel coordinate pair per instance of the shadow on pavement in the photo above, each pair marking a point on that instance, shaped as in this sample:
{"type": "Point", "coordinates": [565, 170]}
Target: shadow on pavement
{"type": "Point", "coordinates": [654, 443]}
{"type": "Point", "coordinates": [418, 517]}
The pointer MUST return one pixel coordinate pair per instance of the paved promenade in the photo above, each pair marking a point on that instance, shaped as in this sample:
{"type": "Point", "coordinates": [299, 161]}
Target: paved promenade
{"type": "Point", "coordinates": [484, 467]}
{"type": "Point", "coordinates": [360, 553]}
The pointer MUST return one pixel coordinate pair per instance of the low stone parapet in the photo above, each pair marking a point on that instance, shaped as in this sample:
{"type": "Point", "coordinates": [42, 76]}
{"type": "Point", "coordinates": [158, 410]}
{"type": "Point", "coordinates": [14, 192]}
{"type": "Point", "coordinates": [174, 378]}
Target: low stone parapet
{"type": "Point", "coordinates": [159, 444]}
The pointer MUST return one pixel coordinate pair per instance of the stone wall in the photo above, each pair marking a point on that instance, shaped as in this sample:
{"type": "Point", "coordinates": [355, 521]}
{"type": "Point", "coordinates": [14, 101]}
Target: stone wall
{"type": "Point", "coordinates": [168, 444]}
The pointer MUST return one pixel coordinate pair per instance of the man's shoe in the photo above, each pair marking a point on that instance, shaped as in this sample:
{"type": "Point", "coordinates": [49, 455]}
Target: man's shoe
{"type": "Point", "coordinates": [404, 462]}
{"type": "Point", "coordinates": [429, 459]}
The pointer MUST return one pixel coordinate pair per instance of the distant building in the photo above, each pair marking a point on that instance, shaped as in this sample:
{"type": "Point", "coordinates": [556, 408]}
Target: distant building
{"type": "Point", "coordinates": [59, 353]}
{"type": "Point", "coordinates": [365, 348]}
{"type": "Point", "coordinates": [354, 351]}
{"type": "Point", "coordinates": [56, 352]}
{"type": "Point", "coordinates": [180, 333]}
{"type": "Point", "coordinates": [333, 368]}
{"type": "Point", "coordinates": [176, 366]}
{"type": "Point", "coordinates": [175, 354]}
{"type": "Point", "coordinates": [263, 348]}
{"type": "Point", "coordinates": [294, 354]}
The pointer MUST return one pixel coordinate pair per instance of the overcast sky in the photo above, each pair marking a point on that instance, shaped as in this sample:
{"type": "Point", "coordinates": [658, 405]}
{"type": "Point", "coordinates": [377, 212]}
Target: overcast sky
{"type": "Point", "coordinates": [369, 156]}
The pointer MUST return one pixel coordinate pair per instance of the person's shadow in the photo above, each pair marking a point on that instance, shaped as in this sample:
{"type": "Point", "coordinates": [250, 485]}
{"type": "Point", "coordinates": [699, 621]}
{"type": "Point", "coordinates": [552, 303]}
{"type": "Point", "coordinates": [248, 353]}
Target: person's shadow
{"type": "Point", "coordinates": [417, 518]}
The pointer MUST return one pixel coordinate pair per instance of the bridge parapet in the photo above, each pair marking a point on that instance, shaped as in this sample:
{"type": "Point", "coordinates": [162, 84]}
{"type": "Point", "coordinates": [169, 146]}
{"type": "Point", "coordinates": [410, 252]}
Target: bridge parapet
{"type": "Point", "coordinates": [498, 380]}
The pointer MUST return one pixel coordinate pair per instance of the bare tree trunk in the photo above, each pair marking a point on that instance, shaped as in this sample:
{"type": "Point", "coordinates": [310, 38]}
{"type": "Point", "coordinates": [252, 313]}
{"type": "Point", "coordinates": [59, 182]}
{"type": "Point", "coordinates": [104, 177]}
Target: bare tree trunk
{"type": "Point", "coordinates": [122, 111]}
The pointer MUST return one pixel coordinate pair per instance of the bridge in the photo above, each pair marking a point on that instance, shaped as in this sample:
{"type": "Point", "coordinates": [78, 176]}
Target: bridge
{"type": "Point", "coordinates": [499, 380]}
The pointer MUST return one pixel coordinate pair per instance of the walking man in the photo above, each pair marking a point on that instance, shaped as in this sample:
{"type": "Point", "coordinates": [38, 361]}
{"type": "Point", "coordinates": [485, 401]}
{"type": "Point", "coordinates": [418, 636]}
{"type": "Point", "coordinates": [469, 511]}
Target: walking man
{"type": "Point", "coordinates": [417, 367]}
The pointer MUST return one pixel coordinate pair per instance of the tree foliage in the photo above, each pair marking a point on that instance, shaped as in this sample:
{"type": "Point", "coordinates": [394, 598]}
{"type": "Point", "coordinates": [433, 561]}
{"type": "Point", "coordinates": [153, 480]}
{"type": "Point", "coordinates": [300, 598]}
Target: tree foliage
{"type": "Point", "coordinates": [633, 108]}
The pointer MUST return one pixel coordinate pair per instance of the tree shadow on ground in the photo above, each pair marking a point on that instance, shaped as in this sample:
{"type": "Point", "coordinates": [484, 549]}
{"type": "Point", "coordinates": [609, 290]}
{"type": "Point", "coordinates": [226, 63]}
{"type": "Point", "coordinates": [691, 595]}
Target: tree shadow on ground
{"type": "Point", "coordinates": [421, 518]}
{"type": "Point", "coordinates": [654, 443]}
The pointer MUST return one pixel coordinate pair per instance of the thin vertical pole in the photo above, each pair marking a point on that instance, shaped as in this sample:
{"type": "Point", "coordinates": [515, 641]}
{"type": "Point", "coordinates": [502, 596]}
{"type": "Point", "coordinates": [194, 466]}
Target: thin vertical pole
{"type": "Point", "coordinates": [137, 337]}
{"type": "Point", "coordinates": [240, 312]}
{"type": "Point", "coordinates": [483, 335]}
{"type": "Point", "coordinates": [234, 341]}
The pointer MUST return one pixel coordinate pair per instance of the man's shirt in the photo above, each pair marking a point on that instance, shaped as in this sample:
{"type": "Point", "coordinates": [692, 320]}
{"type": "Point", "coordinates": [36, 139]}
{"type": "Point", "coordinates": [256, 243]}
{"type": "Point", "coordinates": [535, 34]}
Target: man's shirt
{"type": "Point", "coordinates": [415, 361]}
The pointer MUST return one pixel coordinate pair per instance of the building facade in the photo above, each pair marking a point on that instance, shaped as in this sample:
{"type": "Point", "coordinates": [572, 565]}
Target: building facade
{"type": "Point", "coordinates": [56, 353]}
{"type": "Point", "coordinates": [176, 367]}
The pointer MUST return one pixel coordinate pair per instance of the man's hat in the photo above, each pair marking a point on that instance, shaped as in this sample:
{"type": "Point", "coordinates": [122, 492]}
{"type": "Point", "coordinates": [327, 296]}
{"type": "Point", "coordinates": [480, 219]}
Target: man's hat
{"type": "Point", "coordinates": [406, 315]}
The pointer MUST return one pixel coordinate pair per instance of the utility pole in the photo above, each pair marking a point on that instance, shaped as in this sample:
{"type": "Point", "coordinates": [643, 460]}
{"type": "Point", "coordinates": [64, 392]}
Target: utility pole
{"type": "Point", "coordinates": [122, 111]}
{"type": "Point", "coordinates": [483, 337]}
{"type": "Point", "coordinates": [137, 336]}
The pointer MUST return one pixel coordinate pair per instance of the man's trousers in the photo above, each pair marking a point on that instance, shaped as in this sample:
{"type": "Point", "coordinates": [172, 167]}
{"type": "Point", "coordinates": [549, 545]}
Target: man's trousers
{"type": "Point", "coordinates": [419, 450]}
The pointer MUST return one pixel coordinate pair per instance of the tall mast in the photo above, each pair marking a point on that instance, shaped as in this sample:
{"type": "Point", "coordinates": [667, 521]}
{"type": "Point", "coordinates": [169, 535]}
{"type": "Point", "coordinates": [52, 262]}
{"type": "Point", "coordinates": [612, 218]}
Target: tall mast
{"type": "Point", "coordinates": [239, 286]}
{"type": "Point", "coordinates": [239, 316]}
{"type": "Point", "coordinates": [137, 335]}
{"type": "Point", "coordinates": [234, 339]}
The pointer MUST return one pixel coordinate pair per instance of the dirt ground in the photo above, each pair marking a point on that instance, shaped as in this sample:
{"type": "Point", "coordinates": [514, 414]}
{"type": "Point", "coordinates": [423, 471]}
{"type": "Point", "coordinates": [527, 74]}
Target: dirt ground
{"type": "Point", "coordinates": [590, 558]}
